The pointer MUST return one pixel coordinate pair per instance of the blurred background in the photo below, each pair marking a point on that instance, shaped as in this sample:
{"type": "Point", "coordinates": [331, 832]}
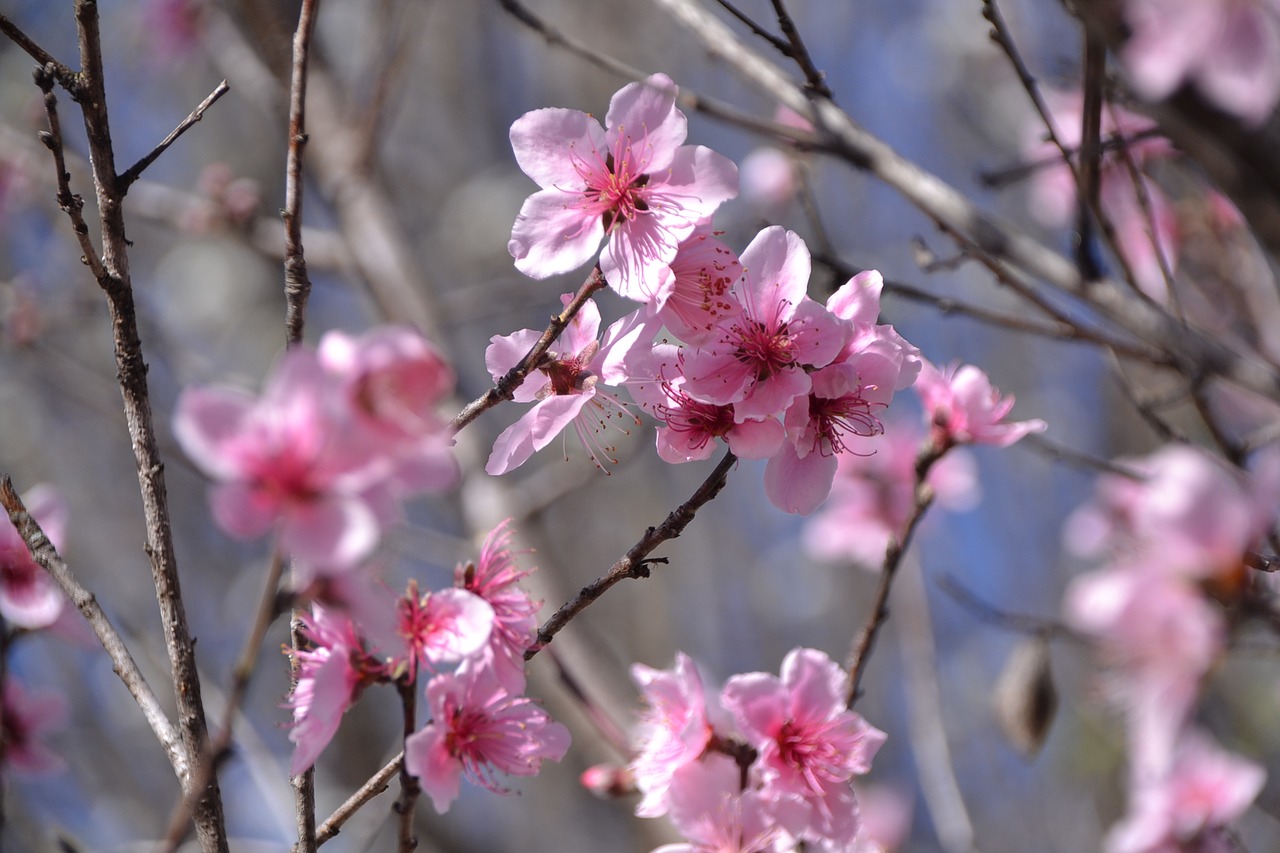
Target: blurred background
{"type": "Point", "coordinates": [410, 195]}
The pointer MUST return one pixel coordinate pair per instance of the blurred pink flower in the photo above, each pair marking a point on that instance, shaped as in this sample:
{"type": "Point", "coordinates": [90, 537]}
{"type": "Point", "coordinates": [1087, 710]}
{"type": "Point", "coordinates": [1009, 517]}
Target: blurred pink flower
{"type": "Point", "coordinates": [964, 408]}
{"type": "Point", "coordinates": [29, 597]}
{"type": "Point", "coordinates": [564, 386]}
{"type": "Point", "coordinates": [1183, 513]}
{"type": "Point", "coordinates": [1205, 790]}
{"type": "Point", "coordinates": [1230, 50]}
{"type": "Point", "coordinates": [810, 745]}
{"type": "Point", "coordinates": [332, 670]}
{"type": "Point", "coordinates": [283, 458]}
{"type": "Point", "coordinates": [769, 178]}
{"type": "Point", "coordinates": [393, 379]}
{"type": "Point", "coordinates": [24, 719]}
{"type": "Point", "coordinates": [632, 181]}
{"type": "Point", "coordinates": [886, 814]}
{"type": "Point", "coordinates": [478, 730]}
{"type": "Point", "coordinates": [495, 578]}
{"type": "Point", "coordinates": [674, 730]}
{"type": "Point", "coordinates": [873, 496]}
{"type": "Point", "coordinates": [1159, 636]}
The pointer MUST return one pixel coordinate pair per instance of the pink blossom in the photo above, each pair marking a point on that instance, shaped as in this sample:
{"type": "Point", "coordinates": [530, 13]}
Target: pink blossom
{"type": "Point", "coordinates": [29, 598]}
{"type": "Point", "coordinates": [495, 578]}
{"type": "Point", "coordinates": [332, 670]}
{"type": "Point", "coordinates": [810, 745]}
{"type": "Point", "coordinates": [1183, 512]}
{"type": "Point", "coordinates": [284, 459]}
{"type": "Point", "coordinates": [478, 730]}
{"type": "Point", "coordinates": [393, 379]}
{"type": "Point", "coordinates": [769, 179]}
{"type": "Point", "coordinates": [705, 271]}
{"type": "Point", "coordinates": [674, 730]}
{"type": "Point", "coordinates": [758, 361]}
{"type": "Point", "coordinates": [565, 386]}
{"type": "Point", "coordinates": [711, 811]}
{"type": "Point", "coordinates": [886, 818]}
{"type": "Point", "coordinates": [873, 496]}
{"type": "Point", "coordinates": [24, 719]}
{"type": "Point", "coordinates": [1230, 49]}
{"type": "Point", "coordinates": [1159, 636]}
{"type": "Point", "coordinates": [964, 408]}
{"type": "Point", "coordinates": [632, 181]}
{"type": "Point", "coordinates": [1205, 790]}
{"type": "Point", "coordinates": [841, 407]}
{"type": "Point", "coordinates": [438, 627]}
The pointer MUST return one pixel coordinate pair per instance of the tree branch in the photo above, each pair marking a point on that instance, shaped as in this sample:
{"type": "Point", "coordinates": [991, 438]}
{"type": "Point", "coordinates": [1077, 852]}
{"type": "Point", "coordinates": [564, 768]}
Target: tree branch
{"type": "Point", "coordinates": [135, 171]}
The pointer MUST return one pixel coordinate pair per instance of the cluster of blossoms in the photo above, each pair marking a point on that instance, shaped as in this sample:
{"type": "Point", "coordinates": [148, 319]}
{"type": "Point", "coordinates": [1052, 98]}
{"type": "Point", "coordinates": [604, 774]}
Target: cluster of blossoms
{"type": "Point", "coordinates": [30, 601]}
{"type": "Point", "coordinates": [466, 643]}
{"type": "Point", "coordinates": [1173, 540]}
{"type": "Point", "coordinates": [766, 768]}
{"type": "Point", "coordinates": [340, 435]}
{"type": "Point", "coordinates": [747, 356]}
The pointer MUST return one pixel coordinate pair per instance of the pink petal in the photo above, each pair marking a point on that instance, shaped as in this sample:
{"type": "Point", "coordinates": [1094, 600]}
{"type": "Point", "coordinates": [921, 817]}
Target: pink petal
{"type": "Point", "coordinates": [333, 531]}
{"type": "Point", "coordinates": [756, 439]}
{"type": "Point", "coordinates": [426, 756]}
{"type": "Point", "coordinates": [644, 114]}
{"type": "Point", "coordinates": [799, 486]}
{"type": "Point", "coordinates": [552, 144]}
{"type": "Point", "coordinates": [777, 269]}
{"type": "Point", "coordinates": [205, 420]}
{"type": "Point", "coordinates": [553, 235]}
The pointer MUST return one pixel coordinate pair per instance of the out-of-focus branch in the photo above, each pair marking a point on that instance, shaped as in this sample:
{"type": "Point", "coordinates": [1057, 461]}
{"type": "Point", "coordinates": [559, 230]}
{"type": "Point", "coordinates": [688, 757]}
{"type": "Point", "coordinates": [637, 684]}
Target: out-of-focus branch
{"type": "Point", "coordinates": [122, 662]}
{"type": "Point", "coordinates": [409, 788]}
{"type": "Point", "coordinates": [505, 388]}
{"type": "Point", "coordinates": [634, 563]}
{"type": "Point", "coordinates": [132, 372]}
{"type": "Point", "coordinates": [135, 171]}
{"type": "Point", "coordinates": [1192, 351]}
{"type": "Point", "coordinates": [861, 651]}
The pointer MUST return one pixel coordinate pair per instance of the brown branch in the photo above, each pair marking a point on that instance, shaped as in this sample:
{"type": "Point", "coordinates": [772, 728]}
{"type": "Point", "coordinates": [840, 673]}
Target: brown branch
{"type": "Point", "coordinates": [505, 388]}
{"type": "Point", "coordinates": [131, 370]}
{"type": "Point", "coordinates": [377, 783]}
{"type": "Point", "coordinates": [135, 171]}
{"type": "Point", "coordinates": [862, 648]}
{"type": "Point", "coordinates": [269, 607]}
{"type": "Point", "coordinates": [1191, 350]}
{"type": "Point", "coordinates": [634, 564]}
{"type": "Point", "coordinates": [297, 285]}
{"type": "Point", "coordinates": [407, 842]}
{"type": "Point", "coordinates": [71, 203]}
{"type": "Point", "coordinates": [815, 80]}
{"type": "Point", "coordinates": [69, 79]}
{"type": "Point", "coordinates": [779, 44]}
{"type": "Point", "coordinates": [122, 662]}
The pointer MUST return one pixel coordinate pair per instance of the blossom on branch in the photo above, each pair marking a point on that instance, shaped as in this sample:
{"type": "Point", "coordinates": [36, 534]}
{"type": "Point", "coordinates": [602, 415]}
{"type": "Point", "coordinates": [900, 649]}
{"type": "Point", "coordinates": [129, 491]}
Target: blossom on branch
{"type": "Point", "coordinates": [29, 598]}
{"type": "Point", "coordinates": [964, 408]}
{"type": "Point", "coordinates": [479, 730]}
{"type": "Point", "coordinates": [632, 181]}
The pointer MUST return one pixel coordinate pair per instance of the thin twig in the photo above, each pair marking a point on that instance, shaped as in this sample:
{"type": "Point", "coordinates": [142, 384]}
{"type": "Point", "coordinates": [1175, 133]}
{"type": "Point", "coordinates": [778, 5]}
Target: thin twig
{"type": "Point", "coordinates": [71, 203]}
{"type": "Point", "coordinates": [998, 178]}
{"type": "Point", "coordinates": [69, 79]}
{"type": "Point", "coordinates": [1018, 623]}
{"type": "Point", "coordinates": [634, 564]}
{"type": "Point", "coordinates": [135, 171]}
{"type": "Point", "coordinates": [505, 388]}
{"type": "Point", "coordinates": [131, 370]}
{"type": "Point", "coordinates": [122, 662]}
{"type": "Point", "coordinates": [815, 80]}
{"type": "Point", "coordinates": [269, 607]}
{"type": "Point", "coordinates": [297, 285]}
{"type": "Point", "coordinates": [925, 716]}
{"type": "Point", "coordinates": [407, 842]}
{"type": "Point", "coordinates": [860, 653]}
{"type": "Point", "coordinates": [378, 783]}
{"type": "Point", "coordinates": [780, 44]}
{"type": "Point", "coordinates": [1191, 350]}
